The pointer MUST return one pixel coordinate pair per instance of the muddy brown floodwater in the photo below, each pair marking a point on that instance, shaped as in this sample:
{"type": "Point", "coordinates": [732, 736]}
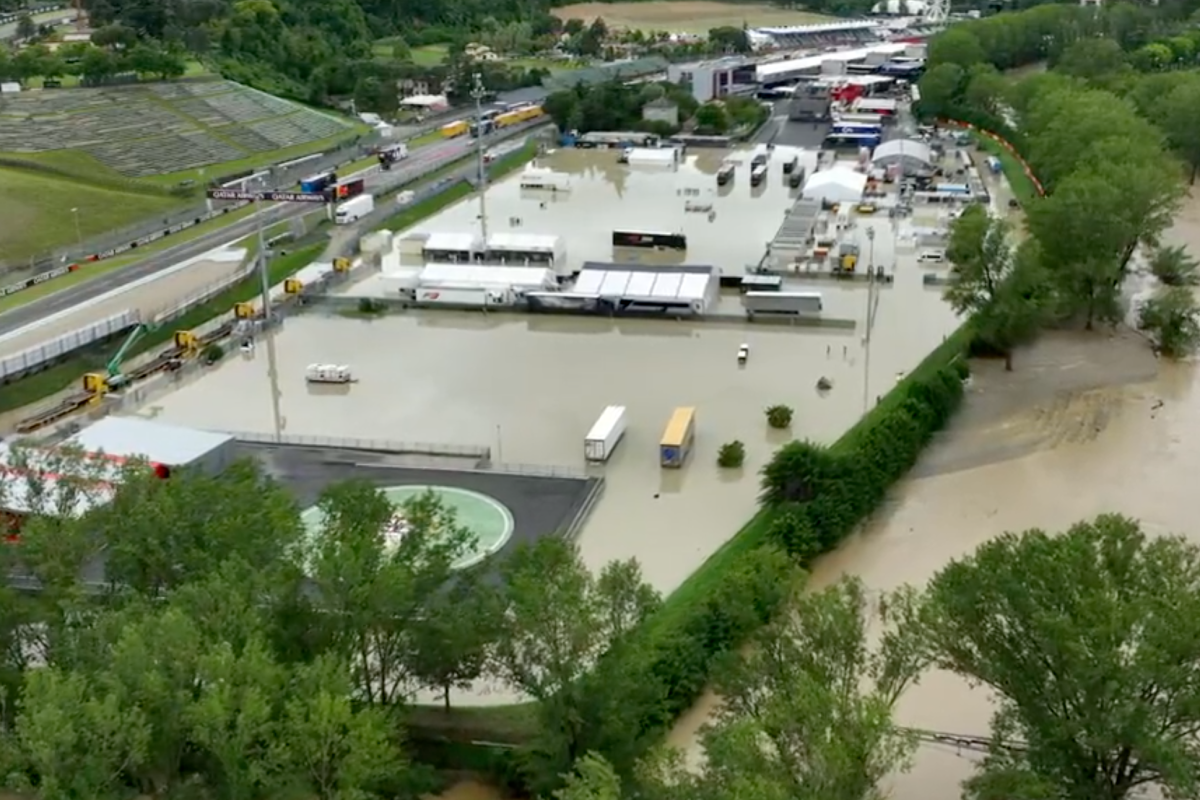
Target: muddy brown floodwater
{"type": "Point", "coordinates": [1087, 424]}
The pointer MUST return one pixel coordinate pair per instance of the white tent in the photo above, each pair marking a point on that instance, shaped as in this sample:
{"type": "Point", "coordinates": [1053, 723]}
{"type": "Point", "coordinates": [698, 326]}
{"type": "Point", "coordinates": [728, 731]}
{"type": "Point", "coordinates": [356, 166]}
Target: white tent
{"type": "Point", "coordinates": [911, 154]}
{"type": "Point", "coordinates": [903, 8]}
{"type": "Point", "coordinates": [837, 185]}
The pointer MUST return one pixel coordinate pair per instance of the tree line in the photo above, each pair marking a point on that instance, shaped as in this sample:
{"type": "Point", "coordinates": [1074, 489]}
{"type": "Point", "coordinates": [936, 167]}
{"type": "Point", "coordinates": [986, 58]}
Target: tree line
{"type": "Point", "coordinates": [1106, 141]}
{"type": "Point", "coordinates": [92, 64]}
{"type": "Point", "coordinates": [1086, 638]}
{"type": "Point", "coordinates": [195, 632]}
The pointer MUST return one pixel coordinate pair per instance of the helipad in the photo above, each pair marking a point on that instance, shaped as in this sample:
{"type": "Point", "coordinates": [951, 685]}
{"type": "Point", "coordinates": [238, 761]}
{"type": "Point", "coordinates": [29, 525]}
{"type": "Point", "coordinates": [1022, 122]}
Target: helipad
{"type": "Point", "coordinates": [485, 517]}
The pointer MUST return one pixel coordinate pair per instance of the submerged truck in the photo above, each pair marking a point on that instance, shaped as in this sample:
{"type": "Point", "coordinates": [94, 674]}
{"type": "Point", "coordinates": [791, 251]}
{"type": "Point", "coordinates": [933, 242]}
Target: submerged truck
{"type": "Point", "coordinates": [602, 439]}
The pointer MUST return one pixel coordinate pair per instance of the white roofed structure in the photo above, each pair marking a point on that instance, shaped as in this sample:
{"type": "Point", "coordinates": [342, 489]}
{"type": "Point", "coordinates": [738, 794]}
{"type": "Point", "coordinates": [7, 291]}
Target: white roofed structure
{"type": "Point", "coordinates": [464, 276]}
{"type": "Point", "coordinates": [911, 154]}
{"type": "Point", "coordinates": [693, 286]}
{"type": "Point", "coordinates": [836, 185]}
{"type": "Point", "coordinates": [784, 70]}
{"type": "Point", "coordinates": [507, 241]}
{"type": "Point", "coordinates": [121, 438]}
{"type": "Point", "coordinates": [453, 243]}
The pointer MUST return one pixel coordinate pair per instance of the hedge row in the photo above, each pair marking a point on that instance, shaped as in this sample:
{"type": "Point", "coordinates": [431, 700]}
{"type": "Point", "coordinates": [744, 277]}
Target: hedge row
{"type": "Point", "coordinates": [813, 497]}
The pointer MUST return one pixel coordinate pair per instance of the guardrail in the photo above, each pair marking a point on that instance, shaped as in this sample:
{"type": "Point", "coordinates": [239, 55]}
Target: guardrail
{"type": "Point", "coordinates": [35, 357]}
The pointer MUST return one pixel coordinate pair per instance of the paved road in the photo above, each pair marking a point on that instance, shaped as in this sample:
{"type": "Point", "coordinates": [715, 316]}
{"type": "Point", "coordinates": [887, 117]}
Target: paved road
{"type": "Point", "coordinates": [9, 30]}
{"type": "Point", "coordinates": [422, 162]}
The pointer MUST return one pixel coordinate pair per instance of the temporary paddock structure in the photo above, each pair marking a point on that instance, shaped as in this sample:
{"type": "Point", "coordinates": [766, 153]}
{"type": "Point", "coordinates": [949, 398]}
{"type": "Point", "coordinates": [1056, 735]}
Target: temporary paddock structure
{"type": "Point", "coordinates": [837, 185]}
{"type": "Point", "coordinates": [912, 155]}
{"type": "Point", "coordinates": [461, 276]}
{"type": "Point", "coordinates": [527, 249]}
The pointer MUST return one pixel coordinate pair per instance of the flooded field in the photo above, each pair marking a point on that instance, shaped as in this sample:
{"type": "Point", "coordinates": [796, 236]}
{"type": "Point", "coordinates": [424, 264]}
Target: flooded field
{"type": "Point", "coordinates": [531, 387]}
{"type": "Point", "coordinates": [1087, 424]}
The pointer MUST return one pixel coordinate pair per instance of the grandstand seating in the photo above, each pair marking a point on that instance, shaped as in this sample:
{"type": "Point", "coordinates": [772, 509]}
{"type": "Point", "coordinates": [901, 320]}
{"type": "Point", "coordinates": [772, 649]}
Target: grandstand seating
{"type": "Point", "coordinates": [150, 129]}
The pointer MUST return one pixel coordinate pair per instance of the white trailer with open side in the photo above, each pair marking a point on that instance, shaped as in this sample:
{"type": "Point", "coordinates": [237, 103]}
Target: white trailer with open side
{"type": "Point", "coordinates": [603, 437]}
{"type": "Point", "coordinates": [354, 209]}
{"type": "Point", "coordinates": [328, 373]}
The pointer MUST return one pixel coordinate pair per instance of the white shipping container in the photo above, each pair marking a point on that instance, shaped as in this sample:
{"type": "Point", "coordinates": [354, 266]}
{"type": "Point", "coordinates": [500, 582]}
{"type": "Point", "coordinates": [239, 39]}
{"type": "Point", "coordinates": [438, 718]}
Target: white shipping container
{"type": "Point", "coordinates": [603, 437]}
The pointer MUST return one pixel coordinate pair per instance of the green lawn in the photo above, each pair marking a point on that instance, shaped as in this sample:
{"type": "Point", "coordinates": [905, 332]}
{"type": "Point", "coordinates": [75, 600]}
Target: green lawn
{"type": "Point", "coordinates": [429, 56]}
{"type": "Point", "coordinates": [36, 214]}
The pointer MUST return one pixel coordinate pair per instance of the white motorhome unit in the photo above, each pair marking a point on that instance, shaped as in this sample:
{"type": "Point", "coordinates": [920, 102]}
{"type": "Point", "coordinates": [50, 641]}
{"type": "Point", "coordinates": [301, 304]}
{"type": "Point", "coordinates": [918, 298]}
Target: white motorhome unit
{"type": "Point", "coordinates": [528, 250]}
{"type": "Point", "coordinates": [328, 373]}
{"type": "Point", "coordinates": [544, 179]}
{"type": "Point", "coordinates": [453, 248]}
{"type": "Point", "coordinates": [793, 304]}
{"type": "Point", "coordinates": [651, 157]}
{"type": "Point", "coordinates": [354, 209]}
{"type": "Point", "coordinates": [602, 439]}
{"type": "Point", "coordinates": [479, 286]}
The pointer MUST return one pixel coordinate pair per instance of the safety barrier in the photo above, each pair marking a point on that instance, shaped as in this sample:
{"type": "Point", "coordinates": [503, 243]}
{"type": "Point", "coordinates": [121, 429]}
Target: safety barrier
{"type": "Point", "coordinates": [35, 357]}
{"type": "Point", "coordinates": [375, 445]}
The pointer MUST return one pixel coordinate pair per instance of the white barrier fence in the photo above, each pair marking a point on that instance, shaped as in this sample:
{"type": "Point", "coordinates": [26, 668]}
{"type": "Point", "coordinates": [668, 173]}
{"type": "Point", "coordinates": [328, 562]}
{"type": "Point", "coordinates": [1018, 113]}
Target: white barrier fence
{"type": "Point", "coordinates": [34, 357]}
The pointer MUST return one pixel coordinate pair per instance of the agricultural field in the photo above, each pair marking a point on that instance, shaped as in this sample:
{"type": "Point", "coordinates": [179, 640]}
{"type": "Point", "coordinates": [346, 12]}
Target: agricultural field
{"type": "Point", "coordinates": [685, 16]}
{"type": "Point", "coordinates": [76, 163]}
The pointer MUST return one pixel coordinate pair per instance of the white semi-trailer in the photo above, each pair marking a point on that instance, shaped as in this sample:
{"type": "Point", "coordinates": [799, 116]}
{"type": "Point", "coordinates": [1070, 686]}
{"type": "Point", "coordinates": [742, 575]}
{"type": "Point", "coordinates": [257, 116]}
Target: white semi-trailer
{"type": "Point", "coordinates": [602, 439]}
{"type": "Point", "coordinates": [354, 209]}
{"type": "Point", "coordinates": [328, 373]}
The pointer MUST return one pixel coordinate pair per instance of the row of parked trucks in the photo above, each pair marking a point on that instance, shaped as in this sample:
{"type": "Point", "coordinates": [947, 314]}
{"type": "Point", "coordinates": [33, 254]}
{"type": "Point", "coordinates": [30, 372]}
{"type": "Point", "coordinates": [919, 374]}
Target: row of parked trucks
{"type": "Point", "coordinates": [609, 429]}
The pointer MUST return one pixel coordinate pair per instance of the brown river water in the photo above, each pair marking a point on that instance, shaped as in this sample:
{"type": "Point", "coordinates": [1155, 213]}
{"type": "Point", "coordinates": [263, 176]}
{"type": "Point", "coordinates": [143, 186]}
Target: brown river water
{"type": "Point", "coordinates": [1087, 423]}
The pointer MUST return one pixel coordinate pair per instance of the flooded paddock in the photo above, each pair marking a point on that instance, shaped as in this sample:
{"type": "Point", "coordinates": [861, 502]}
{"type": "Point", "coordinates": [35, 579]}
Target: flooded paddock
{"type": "Point", "coordinates": [530, 388]}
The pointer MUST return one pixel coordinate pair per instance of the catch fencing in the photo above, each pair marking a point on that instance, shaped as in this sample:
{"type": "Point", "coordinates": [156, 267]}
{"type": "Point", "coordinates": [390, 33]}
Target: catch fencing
{"type": "Point", "coordinates": [37, 357]}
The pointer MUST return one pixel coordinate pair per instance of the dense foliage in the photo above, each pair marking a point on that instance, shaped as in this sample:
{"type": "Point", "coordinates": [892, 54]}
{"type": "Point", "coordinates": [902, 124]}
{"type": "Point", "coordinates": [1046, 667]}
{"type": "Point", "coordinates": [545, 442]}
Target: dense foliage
{"type": "Point", "coordinates": [197, 633]}
{"type": "Point", "coordinates": [617, 106]}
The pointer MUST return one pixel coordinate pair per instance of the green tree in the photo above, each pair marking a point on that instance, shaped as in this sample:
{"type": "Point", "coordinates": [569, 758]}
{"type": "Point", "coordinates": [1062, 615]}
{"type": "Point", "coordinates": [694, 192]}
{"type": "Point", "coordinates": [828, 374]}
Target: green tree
{"type": "Point", "coordinates": [593, 778]}
{"type": "Point", "coordinates": [1179, 116]}
{"type": "Point", "coordinates": [78, 738]}
{"type": "Point", "coordinates": [26, 27]}
{"type": "Point", "coordinates": [958, 46]}
{"type": "Point", "coordinates": [808, 712]}
{"type": "Point", "coordinates": [233, 717]}
{"type": "Point", "coordinates": [1100, 62]}
{"type": "Point", "coordinates": [451, 639]}
{"type": "Point", "coordinates": [711, 118]}
{"type": "Point", "coordinates": [1091, 641]}
{"type": "Point", "coordinates": [941, 91]}
{"type": "Point", "coordinates": [336, 751]}
{"type": "Point", "coordinates": [1172, 318]}
{"type": "Point", "coordinates": [558, 620]}
{"type": "Point", "coordinates": [999, 291]}
{"type": "Point", "coordinates": [370, 589]}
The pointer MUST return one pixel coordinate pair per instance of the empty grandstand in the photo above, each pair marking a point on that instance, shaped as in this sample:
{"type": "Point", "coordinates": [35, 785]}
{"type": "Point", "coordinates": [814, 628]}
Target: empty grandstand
{"type": "Point", "coordinates": [161, 128]}
{"type": "Point", "coordinates": [843, 33]}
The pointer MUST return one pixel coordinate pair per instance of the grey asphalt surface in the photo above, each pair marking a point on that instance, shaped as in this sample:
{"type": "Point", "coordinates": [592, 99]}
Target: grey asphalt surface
{"type": "Point", "coordinates": [422, 162]}
{"type": "Point", "coordinates": [9, 30]}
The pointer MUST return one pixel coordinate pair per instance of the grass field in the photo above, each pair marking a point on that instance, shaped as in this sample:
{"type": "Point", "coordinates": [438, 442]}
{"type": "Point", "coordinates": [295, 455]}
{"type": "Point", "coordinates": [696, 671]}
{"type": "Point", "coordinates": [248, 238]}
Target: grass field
{"type": "Point", "coordinates": [36, 215]}
{"type": "Point", "coordinates": [684, 16]}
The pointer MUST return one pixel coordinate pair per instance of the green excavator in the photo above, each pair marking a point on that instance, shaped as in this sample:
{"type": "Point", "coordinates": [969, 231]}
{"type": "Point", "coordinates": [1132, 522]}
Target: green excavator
{"type": "Point", "coordinates": [99, 383]}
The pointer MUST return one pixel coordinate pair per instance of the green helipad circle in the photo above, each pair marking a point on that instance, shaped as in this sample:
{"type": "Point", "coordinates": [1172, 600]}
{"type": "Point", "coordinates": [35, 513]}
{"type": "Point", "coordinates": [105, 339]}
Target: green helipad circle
{"type": "Point", "coordinates": [486, 518]}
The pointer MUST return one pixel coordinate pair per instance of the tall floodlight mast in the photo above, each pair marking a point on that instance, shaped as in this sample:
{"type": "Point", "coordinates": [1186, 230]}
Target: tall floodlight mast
{"type": "Point", "coordinates": [478, 93]}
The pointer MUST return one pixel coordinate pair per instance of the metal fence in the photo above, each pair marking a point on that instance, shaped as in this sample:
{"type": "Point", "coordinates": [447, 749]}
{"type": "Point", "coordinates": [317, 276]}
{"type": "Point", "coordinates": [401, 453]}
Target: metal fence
{"type": "Point", "coordinates": [35, 357]}
{"type": "Point", "coordinates": [476, 452]}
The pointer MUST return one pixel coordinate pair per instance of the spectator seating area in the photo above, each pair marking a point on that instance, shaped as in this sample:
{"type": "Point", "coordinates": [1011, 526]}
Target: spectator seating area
{"type": "Point", "coordinates": [821, 39]}
{"type": "Point", "coordinates": [159, 128]}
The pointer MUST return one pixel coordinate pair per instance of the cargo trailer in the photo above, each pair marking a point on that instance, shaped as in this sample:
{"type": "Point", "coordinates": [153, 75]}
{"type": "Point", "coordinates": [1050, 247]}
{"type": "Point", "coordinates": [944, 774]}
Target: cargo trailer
{"type": "Point", "coordinates": [677, 439]}
{"type": "Point", "coordinates": [602, 439]}
{"type": "Point", "coordinates": [783, 303]}
{"type": "Point", "coordinates": [353, 210]}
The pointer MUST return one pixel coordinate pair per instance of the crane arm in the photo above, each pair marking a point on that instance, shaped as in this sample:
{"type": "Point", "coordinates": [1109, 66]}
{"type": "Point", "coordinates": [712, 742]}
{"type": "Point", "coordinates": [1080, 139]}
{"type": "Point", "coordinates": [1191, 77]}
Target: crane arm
{"type": "Point", "coordinates": [114, 364]}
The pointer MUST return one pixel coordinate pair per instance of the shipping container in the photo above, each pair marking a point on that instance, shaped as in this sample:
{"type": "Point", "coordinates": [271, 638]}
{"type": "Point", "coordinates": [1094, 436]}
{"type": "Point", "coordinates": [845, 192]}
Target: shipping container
{"type": "Point", "coordinates": [677, 439]}
{"type": "Point", "coordinates": [602, 439]}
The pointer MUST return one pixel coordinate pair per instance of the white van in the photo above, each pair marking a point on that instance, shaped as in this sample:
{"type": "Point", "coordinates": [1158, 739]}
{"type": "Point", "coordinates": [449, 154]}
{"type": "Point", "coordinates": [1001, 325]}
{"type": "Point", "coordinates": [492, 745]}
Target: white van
{"type": "Point", "coordinates": [931, 257]}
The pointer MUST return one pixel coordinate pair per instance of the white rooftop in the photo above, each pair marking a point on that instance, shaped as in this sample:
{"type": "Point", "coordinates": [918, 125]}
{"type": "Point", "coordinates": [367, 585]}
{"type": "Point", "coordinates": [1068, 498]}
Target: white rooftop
{"type": "Point", "coordinates": [157, 442]}
{"type": "Point", "coordinates": [820, 27]}
{"type": "Point", "coordinates": [523, 242]}
{"type": "Point", "coordinates": [839, 184]}
{"type": "Point", "coordinates": [483, 275]}
{"type": "Point", "coordinates": [661, 284]}
{"type": "Point", "coordinates": [780, 68]}
{"type": "Point", "coordinates": [453, 242]}
{"type": "Point", "coordinates": [903, 148]}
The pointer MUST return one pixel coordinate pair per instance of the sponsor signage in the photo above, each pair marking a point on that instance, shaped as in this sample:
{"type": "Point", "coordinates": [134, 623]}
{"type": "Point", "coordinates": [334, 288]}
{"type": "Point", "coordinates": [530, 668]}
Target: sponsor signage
{"type": "Point", "coordinates": [270, 197]}
{"type": "Point", "coordinates": [29, 283]}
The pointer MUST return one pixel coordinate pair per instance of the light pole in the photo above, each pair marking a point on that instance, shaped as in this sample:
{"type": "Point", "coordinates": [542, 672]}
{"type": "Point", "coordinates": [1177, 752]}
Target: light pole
{"type": "Point", "coordinates": [867, 318]}
{"type": "Point", "coordinates": [263, 274]}
{"type": "Point", "coordinates": [78, 231]}
{"type": "Point", "coordinates": [477, 92]}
